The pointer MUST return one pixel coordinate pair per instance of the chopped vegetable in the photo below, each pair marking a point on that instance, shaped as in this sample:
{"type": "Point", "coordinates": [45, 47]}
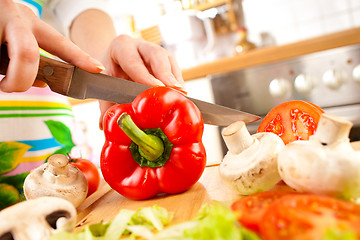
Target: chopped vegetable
{"type": "Point", "coordinates": [214, 221]}
{"type": "Point", "coordinates": [153, 145]}
{"type": "Point", "coordinates": [250, 210]}
{"type": "Point", "coordinates": [126, 222]}
{"type": "Point", "coordinates": [336, 234]}
{"type": "Point", "coordinates": [292, 120]}
{"type": "Point", "coordinates": [309, 216]}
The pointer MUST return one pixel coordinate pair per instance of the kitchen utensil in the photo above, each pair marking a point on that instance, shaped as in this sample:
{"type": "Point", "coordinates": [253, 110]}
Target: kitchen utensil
{"type": "Point", "coordinates": [74, 82]}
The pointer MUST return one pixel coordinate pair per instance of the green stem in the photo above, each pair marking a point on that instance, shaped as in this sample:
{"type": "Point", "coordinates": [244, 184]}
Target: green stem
{"type": "Point", "coordinates": [150, 147]}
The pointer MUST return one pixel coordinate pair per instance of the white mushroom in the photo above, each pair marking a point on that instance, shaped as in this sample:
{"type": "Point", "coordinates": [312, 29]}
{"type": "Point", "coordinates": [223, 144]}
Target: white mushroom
{"type": "Point", "coordinates": [326, 163]}
{"type": "Point", "coordinates": [250, 165]}
{"type": "Point", "coordinates": [37, 219]}
{"type": "Point", "coordinates": [57, 178]}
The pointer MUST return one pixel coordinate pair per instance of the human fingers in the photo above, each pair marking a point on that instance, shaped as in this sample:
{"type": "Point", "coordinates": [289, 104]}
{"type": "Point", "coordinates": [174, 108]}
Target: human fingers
{"type": "Point", "coordinates": [176, 70]}
{"type": "Point", "coordinates": [124, 53]}
{"type": "Point", "coordinates": [52, 41]}
{"type": "Point", "coordinates": [104, 106]}
{"type": "Point", "coordinates": [23, 53]}
{"type": "Point", "coordinates": [161, 64]}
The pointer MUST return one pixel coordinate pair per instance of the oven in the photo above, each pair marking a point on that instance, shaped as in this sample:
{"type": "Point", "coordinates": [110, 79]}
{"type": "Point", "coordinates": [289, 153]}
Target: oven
{"type": "Point", "coordinates": [329, 79]}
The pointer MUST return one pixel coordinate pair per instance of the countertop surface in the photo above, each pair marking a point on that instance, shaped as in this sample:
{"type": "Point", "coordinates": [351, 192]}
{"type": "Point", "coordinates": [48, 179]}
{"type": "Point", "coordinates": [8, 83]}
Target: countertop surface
{"type": "Point", "coordinates": [273, 54]}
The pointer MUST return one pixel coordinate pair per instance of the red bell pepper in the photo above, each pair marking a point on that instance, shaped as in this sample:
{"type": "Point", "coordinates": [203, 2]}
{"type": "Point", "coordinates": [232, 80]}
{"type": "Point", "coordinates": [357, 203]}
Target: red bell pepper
{"type": "Point", "coordinates": [153, 145]}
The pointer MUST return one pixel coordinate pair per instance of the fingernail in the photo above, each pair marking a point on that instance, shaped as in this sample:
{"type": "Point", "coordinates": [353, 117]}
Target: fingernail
{"type": "Point", "coordinates": [181, 89]}
{"type": "Point", "coordinates": [43, 85]}
{"type": "Point", "coordinates": [158, 83]}
{"type": "Point", "coordinates": [39, 84]}
{"type": "Point", "coordinates": [97, 63]}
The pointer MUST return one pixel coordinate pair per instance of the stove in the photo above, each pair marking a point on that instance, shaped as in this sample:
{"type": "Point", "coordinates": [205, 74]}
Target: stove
{"type": "Point", "coordinates": [329, 79]}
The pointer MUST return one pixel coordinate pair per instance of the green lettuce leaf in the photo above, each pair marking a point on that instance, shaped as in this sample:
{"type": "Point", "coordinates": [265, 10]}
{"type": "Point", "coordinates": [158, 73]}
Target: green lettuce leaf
{"type": "Point", "coordinates": [336, 234]}
{"type": "Point", "coordinates": [214, 221]}
{"type": "Point", "coordinates": [217, 221]}
{"type": "Point", "coordinates": [124, 223]}
{"type": "Point", "coordinates": [155, 217]}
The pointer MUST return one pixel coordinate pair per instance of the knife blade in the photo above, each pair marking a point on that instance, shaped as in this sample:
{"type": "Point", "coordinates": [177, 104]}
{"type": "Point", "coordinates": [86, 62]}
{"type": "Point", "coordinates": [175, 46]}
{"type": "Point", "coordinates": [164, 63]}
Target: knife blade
{"type": "Point", "coordinates": [71, 81]}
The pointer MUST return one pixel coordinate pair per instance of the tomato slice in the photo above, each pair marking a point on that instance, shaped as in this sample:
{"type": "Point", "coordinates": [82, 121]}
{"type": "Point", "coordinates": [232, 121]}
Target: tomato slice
{"type": "Point", "coordinates": [292, 120]}
{"type": "Point", "coordinates": [309, 216]}
{"type": "Point", "coordinates": [251, 209]}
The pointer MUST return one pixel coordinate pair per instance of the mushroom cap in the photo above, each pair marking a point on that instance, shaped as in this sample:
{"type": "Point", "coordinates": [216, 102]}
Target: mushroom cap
{"type": "Point", "coordinates": [37, 219]}
{"type": "Point", "coordinates": [308, 166]}
{"type": "Point", "coordinates": [58, 180]}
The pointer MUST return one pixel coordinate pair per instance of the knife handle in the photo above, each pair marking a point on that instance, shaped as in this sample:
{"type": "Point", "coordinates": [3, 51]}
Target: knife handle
{"type": "Point", "coordinates": [54, 73]}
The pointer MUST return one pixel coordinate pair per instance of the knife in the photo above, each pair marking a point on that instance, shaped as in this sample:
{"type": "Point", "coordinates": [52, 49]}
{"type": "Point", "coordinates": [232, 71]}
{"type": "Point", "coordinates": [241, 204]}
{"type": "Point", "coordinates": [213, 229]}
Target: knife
{"type": "Point", "coordinates": [71, 81]}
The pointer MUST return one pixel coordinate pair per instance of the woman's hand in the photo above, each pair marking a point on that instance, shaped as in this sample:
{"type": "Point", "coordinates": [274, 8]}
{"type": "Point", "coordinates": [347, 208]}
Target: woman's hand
{"type": "Point", "coordinates": [23, 33]}
{"type": "Point", "coordinates": [140, 61]}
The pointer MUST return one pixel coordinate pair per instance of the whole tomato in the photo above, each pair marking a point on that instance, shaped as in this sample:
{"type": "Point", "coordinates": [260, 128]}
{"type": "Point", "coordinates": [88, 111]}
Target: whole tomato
{"type": "Point", "coordinates": [90, 171]}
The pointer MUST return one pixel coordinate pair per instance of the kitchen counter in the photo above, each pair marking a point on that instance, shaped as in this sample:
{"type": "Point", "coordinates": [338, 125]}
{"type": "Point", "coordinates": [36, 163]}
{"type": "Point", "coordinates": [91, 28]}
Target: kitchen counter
{"type": "Point", "coordinates": [272, 54]}
{"type": "Point", "coordinates": [104, 204]}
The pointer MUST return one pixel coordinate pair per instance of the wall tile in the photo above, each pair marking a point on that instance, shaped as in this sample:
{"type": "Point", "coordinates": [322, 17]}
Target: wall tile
{"type": "Point", "coordinates": [337, 22]}
{"type": "Point", "coordinates": [306, 10]}
{"type": "Point", "coordinates": [332, 7]}
{"type": "Point", "coordinates": [294, 20]}
{"type": "Point", "coordinates": [310, 29]}
{"type": "Point", "coordinates": [356, 17]}
{"type": "Point", "coordinates": [354, 3]}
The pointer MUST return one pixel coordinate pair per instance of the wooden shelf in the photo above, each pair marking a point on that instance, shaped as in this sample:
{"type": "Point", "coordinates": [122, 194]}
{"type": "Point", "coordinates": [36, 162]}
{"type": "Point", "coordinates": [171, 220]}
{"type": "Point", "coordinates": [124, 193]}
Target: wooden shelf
{"type": "Point", "coordinates": [272, 54]}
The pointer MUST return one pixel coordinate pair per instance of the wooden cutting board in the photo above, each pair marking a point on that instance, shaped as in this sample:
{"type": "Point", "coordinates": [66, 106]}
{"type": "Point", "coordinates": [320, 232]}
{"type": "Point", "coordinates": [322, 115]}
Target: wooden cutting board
{"type": "Point", "coordinates": [104, 204]}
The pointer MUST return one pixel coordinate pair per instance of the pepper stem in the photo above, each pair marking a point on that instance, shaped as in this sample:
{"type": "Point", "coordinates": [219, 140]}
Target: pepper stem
{"type": "Point", "coordinates": [150, 147]}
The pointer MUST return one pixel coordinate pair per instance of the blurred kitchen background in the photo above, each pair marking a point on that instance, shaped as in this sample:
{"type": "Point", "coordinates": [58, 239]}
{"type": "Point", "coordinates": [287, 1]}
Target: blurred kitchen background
{"type": "Point", "coordinates": [198, 32]}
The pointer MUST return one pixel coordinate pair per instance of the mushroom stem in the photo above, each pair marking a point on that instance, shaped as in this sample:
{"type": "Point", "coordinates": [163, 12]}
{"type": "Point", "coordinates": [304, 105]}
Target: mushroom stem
{"type": "Point", "coordinates": [332, 129]}
{"type": "Point", "coordinates": [237, 138]}
{"type": "Point", "coordinates": [58, 165]}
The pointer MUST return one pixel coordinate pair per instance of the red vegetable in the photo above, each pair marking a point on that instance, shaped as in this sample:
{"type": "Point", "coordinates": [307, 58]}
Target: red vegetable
{"type": "Point", "coordinates": [158, 148]}
{"type": "Point", "coordinates": [306, 216]}
{"type": "Point", "coordinates": [250, 210]}
{"type": "Point", "coordinates": [90, 171]}
{"type": "Point", "coordinates": [292, 120]}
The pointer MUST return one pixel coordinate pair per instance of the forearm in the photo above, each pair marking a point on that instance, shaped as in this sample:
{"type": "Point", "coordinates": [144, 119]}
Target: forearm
{"type": "Point", "coordinates": [93, 30]}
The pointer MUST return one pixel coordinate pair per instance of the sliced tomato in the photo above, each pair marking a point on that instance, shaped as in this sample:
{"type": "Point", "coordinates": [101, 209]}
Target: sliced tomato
{"type": "Point", "coordinates": [251, 209]}
{"type": "Point", "coordinates": [308, 216]}
{"type": "Point", "coordinates": [292, 120]}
